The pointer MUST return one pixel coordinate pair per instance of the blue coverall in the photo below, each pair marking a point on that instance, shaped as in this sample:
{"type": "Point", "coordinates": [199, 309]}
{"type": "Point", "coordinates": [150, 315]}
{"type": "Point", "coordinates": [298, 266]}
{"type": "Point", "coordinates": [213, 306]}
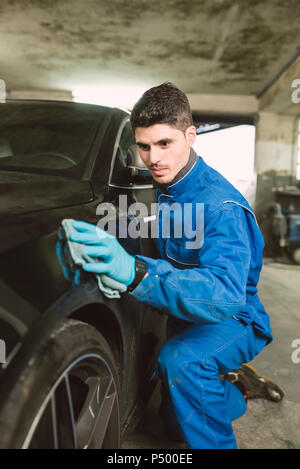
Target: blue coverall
{"type": "Point", "coordinates": [216, 319]}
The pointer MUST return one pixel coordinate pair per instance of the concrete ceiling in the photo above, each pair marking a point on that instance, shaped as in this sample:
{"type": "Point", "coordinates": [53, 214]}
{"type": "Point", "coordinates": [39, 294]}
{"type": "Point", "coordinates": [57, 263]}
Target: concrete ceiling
{"type": "Point", "coordinates": [204, 46]}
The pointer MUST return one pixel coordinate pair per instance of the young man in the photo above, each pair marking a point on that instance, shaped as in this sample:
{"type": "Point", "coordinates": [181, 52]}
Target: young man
{"type": "Point", "coordinates": [216, 320]}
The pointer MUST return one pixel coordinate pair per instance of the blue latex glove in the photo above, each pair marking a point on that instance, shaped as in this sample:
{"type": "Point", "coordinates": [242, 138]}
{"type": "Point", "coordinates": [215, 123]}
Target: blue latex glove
{"type": "Point", "coordinates": [115, 261]}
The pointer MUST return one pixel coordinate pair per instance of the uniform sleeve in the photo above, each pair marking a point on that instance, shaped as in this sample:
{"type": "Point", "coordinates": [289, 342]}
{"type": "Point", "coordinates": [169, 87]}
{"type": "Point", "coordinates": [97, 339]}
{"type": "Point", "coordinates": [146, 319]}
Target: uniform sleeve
{"type": "Point", "coordinates": [216, 289]}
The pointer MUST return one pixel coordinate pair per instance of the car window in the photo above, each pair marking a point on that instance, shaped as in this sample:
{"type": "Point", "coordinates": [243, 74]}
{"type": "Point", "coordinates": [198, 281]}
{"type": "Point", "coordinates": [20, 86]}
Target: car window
{"type": "Point", "coordinates": [43, 135]}
{"type": "Point", "coordinates": [120, 174]}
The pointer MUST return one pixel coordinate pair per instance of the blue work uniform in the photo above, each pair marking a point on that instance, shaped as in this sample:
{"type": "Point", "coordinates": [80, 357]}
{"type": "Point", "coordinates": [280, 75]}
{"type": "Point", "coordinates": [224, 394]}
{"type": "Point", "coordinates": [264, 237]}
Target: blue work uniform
{"type": "Point", "coordinates": [216, 319]}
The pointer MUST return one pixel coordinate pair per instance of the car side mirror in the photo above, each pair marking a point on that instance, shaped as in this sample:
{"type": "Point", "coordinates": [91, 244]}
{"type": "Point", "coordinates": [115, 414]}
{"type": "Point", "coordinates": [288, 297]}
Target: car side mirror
{"type": "Point", "coordinates": [139, 172]}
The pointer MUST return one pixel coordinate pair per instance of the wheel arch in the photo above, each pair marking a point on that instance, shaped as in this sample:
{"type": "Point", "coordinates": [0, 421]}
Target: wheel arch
{"type": "Point", "coordinates": [102, 318]}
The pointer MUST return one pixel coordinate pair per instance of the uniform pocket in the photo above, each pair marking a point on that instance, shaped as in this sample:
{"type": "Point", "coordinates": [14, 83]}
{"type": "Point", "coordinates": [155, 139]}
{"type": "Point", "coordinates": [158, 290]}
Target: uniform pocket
{"type": "Point", "coordinates": [178, 250]}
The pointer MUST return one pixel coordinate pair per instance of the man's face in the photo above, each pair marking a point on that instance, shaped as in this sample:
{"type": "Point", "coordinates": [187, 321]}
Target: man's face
{"type": "Point", "coordinates": [164, 149]}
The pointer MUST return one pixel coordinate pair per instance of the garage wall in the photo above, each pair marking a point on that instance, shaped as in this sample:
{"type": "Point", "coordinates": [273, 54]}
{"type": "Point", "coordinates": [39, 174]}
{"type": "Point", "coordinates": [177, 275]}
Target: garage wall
{"type": "Point", "coordinates": [275, 163]}
{"type": "Point", "coordinates": [274, 156]}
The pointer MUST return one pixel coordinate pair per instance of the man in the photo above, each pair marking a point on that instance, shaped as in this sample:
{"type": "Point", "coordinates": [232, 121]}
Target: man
{"type": "Point", "coordinates": [216, 321]}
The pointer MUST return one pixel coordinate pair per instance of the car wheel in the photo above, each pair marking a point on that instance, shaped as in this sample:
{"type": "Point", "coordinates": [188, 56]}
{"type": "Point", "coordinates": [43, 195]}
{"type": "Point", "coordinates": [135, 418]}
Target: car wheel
{"type": "Point", "coordinates": [68, 395]}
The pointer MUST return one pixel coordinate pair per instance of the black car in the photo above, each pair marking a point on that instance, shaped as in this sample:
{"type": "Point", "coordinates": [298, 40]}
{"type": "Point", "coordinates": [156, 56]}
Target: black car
{"type": "Point", "coordinates": [78, 365]}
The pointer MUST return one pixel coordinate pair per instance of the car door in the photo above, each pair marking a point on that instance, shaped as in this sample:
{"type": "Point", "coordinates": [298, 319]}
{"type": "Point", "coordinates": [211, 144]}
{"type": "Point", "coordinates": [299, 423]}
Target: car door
{"type": "Point", "coordinates": [135, 198]}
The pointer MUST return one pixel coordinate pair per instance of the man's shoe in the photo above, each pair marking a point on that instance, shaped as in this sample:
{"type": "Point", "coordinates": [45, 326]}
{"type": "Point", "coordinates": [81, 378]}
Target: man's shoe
{"type": "Point", "coordinates": [252, 384]}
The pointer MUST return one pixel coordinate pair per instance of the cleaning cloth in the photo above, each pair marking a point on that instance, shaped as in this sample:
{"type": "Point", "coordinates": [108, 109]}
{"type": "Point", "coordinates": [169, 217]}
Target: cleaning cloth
{"type": "Point", "coordinates": [72, 257]}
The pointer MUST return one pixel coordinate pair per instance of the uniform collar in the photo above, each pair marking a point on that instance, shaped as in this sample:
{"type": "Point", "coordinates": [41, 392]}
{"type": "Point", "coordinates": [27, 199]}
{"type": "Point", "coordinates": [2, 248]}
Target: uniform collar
{"type": "Point", "coordinates": [183, 179]}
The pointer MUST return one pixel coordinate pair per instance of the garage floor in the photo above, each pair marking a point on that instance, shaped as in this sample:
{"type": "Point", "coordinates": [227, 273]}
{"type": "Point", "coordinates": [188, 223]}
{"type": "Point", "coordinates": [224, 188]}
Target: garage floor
{"type": "Point", "coordinates": [265, 425]}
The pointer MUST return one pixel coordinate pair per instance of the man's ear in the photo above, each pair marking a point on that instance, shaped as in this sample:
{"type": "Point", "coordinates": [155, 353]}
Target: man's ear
{"type": "Point", "coordinates": [191, 135]}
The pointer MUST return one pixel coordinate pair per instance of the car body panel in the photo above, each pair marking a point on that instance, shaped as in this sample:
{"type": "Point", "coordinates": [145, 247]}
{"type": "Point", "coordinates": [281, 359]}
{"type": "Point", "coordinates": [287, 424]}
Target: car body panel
{"type": "Point", "coordinates": [42, 192]}
{"type": "Point", "coordinates": [34, 293]}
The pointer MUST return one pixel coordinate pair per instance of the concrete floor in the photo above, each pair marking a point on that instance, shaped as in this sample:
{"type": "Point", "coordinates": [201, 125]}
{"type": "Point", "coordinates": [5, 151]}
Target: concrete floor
{"type": "Point", "coordinates": [266, 424]}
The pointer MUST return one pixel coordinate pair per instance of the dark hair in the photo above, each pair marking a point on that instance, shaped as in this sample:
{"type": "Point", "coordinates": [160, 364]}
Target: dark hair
{"type": "Point", "coordinates": [163, 104]}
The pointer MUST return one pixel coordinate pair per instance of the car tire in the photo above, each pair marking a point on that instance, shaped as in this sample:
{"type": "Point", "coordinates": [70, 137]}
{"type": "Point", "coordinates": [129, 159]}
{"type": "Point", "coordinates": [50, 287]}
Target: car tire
{"type": "Point", "coordinates": [67, 396]}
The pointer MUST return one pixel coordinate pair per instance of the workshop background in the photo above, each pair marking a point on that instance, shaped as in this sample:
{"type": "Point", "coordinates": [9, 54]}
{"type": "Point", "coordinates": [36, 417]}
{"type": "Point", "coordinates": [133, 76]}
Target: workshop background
{"type": "Point", "coordinates": [239, 64]}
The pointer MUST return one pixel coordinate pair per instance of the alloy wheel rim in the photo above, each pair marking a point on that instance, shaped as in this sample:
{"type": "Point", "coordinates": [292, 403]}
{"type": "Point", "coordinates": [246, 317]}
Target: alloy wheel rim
{"type": "Point", "coordinates": [88, 411]}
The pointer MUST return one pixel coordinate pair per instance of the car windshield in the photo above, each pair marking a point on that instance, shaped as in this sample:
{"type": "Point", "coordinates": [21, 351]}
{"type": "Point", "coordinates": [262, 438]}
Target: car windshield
{"type": "Point", "coordinates": [46, 135]}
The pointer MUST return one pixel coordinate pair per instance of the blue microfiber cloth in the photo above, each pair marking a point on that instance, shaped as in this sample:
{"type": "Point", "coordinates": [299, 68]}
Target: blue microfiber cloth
{"type": "Point", "coordinates": [72, 257]}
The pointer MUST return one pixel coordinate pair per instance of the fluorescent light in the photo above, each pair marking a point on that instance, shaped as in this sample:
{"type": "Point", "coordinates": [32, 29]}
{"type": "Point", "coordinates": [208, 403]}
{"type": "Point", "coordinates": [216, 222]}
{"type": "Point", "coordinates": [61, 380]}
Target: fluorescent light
{"type": "Point", "coordinates": [122, 96]}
